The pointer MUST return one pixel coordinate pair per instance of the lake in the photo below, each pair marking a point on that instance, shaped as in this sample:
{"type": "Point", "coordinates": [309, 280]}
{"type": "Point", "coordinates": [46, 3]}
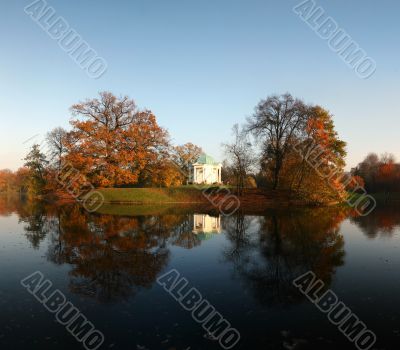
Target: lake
{"type": "Point", "coordinates": [243, 265]}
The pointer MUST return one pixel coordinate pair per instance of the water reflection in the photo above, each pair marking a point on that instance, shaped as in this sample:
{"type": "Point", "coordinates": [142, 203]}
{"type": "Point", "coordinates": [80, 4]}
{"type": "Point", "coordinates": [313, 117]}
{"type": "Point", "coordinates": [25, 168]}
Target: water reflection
{"type": "Point", "coordinates": [205, 226]}
{"type": "Point", "coordinates": [383, 221]}
{"type": "Point", "coordinates": [113, 257]}
{"type": "Point", "coordinates": [246, 269]}
{"type": "Point", "coordinates": [269, 252]}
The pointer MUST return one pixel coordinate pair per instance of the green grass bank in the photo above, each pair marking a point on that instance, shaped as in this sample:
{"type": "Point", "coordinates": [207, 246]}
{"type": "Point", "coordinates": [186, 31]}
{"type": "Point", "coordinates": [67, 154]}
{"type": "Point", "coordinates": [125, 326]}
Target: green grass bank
{"type": "Point", "coordinates": [184, 194]}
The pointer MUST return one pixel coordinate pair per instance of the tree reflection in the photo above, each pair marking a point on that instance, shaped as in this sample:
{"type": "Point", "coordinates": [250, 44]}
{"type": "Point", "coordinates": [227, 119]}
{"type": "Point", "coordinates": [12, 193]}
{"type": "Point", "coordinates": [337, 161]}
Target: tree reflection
{"type": "Point", "coordinates": [238, 232]}
{"type": "Point", "coordinates": [38, 218]}
{"type": "Point", "coordinates": [114, 256]}
{"type": "Point", "coordinates": [183, 235]}
{"type": "Point", "coordinates": [36, 225]}
{"type": "Point", "coordinates": [270, 252]}
{"type": "Point", "coordinates": [8, 204]}
{"type": "Point", "coordinates": [382, 221]}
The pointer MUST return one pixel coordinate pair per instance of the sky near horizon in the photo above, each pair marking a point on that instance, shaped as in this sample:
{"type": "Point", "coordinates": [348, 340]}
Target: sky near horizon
{"type": "Point", "coordinates": [201, 66]}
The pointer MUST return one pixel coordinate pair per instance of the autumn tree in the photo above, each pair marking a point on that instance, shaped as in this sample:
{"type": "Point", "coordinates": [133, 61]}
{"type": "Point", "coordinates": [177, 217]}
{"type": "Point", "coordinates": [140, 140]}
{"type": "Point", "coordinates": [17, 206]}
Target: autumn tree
{"type": "Point", "coordinates": [300, 148]}
{"type": "Point", "coordinates": [318, 158]}
{"type": "Point", "coordinates": [146, 146]}
{"type": "Point", "coordinates": [184, 155]}
{"type": "Point", "coordinates": [22, 180]}
{"type": "Point", "coordinates": [7, 181]}
{"type": "Point", "coordinates": [388, 173]}
{"type": "Point", "coordinates": [166, 174]}
{"type": "Point", "coordinates": [94, 143]}
{"type": "Point", "coordinates": [355, 183]}
{"type": "Point", "coordinates": [113, 143]}
{"type": "Point", "coordinates": [276, 123]}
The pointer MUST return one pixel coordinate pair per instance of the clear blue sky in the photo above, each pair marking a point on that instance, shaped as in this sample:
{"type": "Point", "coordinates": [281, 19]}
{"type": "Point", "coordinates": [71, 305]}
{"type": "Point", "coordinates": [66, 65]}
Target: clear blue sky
{"type": "Point", "coordinates": [201, 66]}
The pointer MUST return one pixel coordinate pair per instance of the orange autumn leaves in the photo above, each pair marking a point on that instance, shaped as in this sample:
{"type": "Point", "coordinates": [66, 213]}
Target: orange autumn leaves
{"type": "Point", "coordinates": [300, 147]}
{"type": "Point", "coordinates": [114, 144]}
{"type": "Point", "coordinates": [319, 152]}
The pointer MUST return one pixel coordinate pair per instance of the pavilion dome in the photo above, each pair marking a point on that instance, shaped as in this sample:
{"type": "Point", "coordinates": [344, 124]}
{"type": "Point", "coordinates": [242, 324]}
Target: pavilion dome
{"type": "Point", "coordinates": [206, 159]}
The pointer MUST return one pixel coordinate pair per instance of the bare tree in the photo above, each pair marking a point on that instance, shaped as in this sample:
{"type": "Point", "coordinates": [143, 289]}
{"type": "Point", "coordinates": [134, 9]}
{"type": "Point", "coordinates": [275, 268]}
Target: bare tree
{"type": "Point", "coordinates": [110, 111]}
{"type": "Point", "coordinates": [276, 123]}
{"type": "Point", "coordinates": [240, 157]}
{"type": "Point", "coordinates": [56, 140]}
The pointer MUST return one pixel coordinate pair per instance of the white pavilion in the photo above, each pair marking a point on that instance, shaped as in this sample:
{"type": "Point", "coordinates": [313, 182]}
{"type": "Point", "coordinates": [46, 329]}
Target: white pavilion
{"type": "Point", "coordinates": [205, 171]}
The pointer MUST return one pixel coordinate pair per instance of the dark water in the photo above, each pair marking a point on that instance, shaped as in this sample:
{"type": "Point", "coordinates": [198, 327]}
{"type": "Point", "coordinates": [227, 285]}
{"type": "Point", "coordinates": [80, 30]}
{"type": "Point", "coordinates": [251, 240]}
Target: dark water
{"type": "Point", "coordinates": [244, 265]}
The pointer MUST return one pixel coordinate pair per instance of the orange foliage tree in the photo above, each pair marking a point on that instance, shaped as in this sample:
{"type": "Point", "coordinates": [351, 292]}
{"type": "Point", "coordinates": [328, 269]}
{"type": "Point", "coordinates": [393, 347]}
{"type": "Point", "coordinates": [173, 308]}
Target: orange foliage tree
{"type": "Point", "coordinates": [301, 150]}
{"type": "Point", "coordinates": [112, 143]}
{"type": "Point", "coordinates": [7, 180]}
{"type": "Point", "coordinates": [355, 183]}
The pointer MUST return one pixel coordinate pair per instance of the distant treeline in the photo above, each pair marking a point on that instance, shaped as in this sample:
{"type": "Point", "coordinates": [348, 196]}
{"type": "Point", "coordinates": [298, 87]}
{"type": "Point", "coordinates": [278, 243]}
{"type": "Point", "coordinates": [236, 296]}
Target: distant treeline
{"type": "Point", "coordinates": [379, 174]}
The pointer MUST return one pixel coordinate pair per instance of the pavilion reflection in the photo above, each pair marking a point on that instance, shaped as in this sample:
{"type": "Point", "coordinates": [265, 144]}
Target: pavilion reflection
{"type": "Point", "coordinates": [206, 226]}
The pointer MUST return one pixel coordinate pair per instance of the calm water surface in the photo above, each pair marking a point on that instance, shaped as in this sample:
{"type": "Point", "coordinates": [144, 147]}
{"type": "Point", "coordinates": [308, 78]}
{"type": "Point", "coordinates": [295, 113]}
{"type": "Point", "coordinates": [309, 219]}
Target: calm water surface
{"type": "Point", "coordinates": [244, 265]}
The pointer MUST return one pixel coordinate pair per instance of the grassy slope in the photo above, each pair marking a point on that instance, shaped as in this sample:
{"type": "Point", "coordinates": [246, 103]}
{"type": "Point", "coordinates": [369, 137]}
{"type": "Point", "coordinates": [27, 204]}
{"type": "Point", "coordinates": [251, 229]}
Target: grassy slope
{"type": "Point", "coordinates": [169, 199]}
{"type": "Point", "coordinates": [152, 195]}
